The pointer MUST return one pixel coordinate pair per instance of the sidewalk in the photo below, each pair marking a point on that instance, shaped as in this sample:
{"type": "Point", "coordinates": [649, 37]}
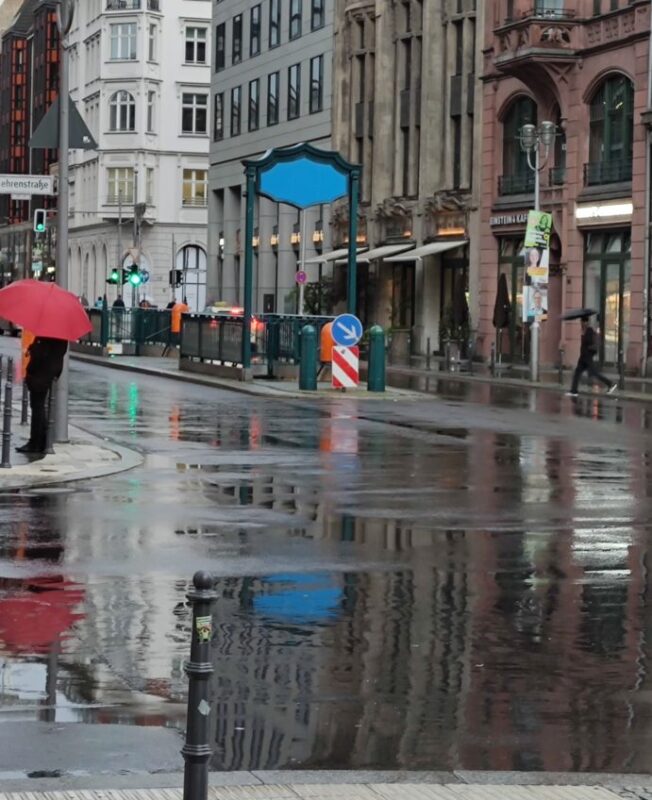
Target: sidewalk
{"type": "Point", "coordinates": [85, 456]}
{"type": "Point", "coordinates": [420, 377]}
{"type": "Point", "coordinates": [333, 785]}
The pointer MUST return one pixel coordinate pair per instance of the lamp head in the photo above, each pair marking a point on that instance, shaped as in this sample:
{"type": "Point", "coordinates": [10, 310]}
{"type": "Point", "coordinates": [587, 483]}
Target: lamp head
{"type": "Point", "coordinates": [547, 132]}
{"type": "Point", "coordinates": [528, 136]}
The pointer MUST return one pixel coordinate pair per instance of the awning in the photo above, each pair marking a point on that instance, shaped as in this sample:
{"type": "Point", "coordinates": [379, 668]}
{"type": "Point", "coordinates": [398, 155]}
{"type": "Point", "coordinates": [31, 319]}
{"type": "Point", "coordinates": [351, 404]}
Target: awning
{"type": "Point", "coordinates": [379, 252]}
{"type": "Point", "coordinates": [428, 250]}
{"type": "Point", "coordinates": [324, 258]}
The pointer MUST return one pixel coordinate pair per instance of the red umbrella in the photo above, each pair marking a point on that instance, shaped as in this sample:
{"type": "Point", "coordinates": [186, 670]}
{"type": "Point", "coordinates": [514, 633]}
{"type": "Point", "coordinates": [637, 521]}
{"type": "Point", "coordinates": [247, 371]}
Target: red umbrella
{"type": "Point", "coordinates": [45, 309]}
{"type": "Point", "coordinates": [31, 621]}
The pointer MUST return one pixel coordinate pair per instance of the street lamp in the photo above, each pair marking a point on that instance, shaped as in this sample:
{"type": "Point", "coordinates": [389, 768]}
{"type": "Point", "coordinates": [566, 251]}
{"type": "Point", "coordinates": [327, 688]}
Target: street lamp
{"type": "Point", "coordinates": [536, 142]}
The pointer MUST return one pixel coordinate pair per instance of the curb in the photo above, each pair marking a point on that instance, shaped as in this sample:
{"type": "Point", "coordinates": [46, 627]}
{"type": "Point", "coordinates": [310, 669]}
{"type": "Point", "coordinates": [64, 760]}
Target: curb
{"type": "Point", "coordinates": [128, 459]}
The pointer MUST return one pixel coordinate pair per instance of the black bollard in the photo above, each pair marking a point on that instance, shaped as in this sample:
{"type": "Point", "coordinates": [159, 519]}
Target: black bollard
{"type": "Point", "coordinates": [49, 436]}
{"type": "Point", "coordinates": [24, 405]}
{"type": "Point", "coordinates": [198, 747]}
{"type": "Point", "coordinates": [6, 417]}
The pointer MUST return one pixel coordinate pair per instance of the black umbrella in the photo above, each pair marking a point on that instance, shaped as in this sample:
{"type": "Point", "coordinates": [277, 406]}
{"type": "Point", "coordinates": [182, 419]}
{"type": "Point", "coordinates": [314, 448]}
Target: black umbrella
{"type": "Point", "coordinates": [578, 313]}
{"type": "Point", "coordinates": [502, 306]}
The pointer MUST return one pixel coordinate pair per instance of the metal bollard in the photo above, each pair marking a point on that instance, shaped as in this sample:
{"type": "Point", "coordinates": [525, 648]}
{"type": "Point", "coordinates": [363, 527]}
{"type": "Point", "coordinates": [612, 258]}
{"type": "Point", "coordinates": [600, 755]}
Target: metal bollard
{"type": "Point", "coordinates": [49, 437]}
{"type": "Point", "coordinates": [24, 405]}
{"type": "Point", "coordinates": [428, 353]}
{"type": "Point", "coordinates": [492, 359]}
{"type": "Point", "coordinates": [6, 417]}
{"type": "Point", "coordinates": [376, 371]}
{"type": "Point", "coordinates": [197, 749]}
{"type": "Point", "coordinates": [447, 356]}
{"type": "Point", "coordinates": [562, 355]}
{"type": "Point", "coordinates": [308, 362]}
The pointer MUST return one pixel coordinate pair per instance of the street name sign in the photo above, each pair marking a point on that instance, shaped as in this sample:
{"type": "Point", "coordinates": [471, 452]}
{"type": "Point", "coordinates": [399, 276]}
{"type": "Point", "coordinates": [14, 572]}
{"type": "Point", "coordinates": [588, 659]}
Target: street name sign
{"type": "Point", "coordinates": [347, 330]}
{"type": "Point", "coordinates": [26, 184]}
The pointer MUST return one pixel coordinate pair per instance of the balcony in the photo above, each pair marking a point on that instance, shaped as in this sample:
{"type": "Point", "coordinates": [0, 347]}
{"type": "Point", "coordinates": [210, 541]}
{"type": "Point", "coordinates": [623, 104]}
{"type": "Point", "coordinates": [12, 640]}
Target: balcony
{"type": "Point", "coordinates": [543, 33]}
{"type": "Point", "coordinates": [599, 173]}
{"type": "Point", "coordinates": [124, 199]}
{"type": "Point", "coordinates": [132, 5]}
{"type": "Point", "coordinates": [516, 184]}
{"type": "Point", "coordinates": [194, 202]}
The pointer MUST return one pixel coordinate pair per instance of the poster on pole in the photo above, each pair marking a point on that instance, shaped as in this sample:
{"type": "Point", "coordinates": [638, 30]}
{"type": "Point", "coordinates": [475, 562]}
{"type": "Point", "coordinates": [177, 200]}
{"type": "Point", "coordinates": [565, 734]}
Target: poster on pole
{"type": "Point", "coordinates": [537, 266]}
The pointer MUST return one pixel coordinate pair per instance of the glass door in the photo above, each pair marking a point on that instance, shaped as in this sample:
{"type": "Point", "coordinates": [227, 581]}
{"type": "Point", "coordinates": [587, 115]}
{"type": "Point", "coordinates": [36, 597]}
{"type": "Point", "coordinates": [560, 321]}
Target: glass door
{"type": "Point", "coordinates": [511, 263]}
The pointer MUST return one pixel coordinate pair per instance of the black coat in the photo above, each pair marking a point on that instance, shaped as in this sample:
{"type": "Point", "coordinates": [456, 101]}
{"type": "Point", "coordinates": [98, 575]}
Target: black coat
{"type": "Point", "coordinates": [45, 363]}
{"type": "Point", "coordinates": [588, 346]}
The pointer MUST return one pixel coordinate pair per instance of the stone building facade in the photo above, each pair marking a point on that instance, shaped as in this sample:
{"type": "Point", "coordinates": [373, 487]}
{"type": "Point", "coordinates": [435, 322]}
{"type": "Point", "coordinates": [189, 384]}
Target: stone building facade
{"type": "Point", "coordinates": [583, 65]}
{"type": "Point", "coordinates": [407, 108]}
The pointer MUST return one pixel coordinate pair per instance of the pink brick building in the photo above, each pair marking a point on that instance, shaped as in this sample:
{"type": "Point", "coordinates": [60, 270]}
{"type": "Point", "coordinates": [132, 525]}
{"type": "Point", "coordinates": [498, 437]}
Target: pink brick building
{"type": "Point", "coordinates": [584, 65]}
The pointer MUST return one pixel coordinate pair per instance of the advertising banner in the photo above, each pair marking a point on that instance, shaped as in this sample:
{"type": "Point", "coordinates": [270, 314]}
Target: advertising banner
{"type": "Point", "coordinates": [537, 270]}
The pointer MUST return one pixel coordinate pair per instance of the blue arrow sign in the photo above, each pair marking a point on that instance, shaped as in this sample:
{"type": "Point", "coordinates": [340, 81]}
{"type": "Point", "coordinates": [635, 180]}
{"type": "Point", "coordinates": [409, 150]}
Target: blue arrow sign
{"type": "Point", "coordinates": [347, 330]}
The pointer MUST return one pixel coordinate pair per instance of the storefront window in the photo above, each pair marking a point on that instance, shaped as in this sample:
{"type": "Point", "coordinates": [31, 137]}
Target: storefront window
{"type": "Point", "coordinates": [511, 263]}
{"type": "Point", "coordinates": [607, 279]}
{"type": "Point", "coordinates": [611, 133]}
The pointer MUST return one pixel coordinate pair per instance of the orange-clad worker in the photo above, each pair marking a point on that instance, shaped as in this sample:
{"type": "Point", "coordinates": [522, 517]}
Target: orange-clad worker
{"type": "Point", "coordinates": [26, 339]}
{"type": "Point", "coordinates": [178, 309]}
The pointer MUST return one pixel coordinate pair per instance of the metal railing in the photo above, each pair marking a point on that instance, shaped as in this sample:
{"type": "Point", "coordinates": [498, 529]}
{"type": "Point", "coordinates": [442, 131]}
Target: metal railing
{"type": "Point", "coordinates": [115, 200]}
{"type": "Point", "coordinates": [122, 5]}
{"type": "Point", "coordinates": [521, 183]}
{"type": "Point", "coordinates": [600, 172]}
{"type": "Point", "coordinates": [214, 339]}
{"type": "Point", "coordinates": [283, 335]}
{"type": "Point", "coordinates": [195, 202]}
{"type": "Point", "coordinates": [138, 326]}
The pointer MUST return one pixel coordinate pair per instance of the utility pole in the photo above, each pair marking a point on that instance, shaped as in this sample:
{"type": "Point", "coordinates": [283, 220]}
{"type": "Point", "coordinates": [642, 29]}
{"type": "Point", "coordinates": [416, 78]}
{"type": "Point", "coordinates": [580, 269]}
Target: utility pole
{"type": "Point", "coordinates": [65, 12]}
{"type": "Point", "coordinates": [118, 287]}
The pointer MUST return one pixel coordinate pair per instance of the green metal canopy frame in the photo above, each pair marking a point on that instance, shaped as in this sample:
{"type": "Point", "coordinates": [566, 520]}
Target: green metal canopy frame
{"type": "Point", "coordinates": [301, 176]}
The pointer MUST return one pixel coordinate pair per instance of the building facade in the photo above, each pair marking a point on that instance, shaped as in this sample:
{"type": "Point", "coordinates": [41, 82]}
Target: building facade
{"type": "Point", "coordinates": [139, 73]}
{"type": "Point", "coordinates": [583, 65]}
{"type": "Point", "coordinates": [271, 87]}
{"type": "Point", "coordinates": [406, 108]}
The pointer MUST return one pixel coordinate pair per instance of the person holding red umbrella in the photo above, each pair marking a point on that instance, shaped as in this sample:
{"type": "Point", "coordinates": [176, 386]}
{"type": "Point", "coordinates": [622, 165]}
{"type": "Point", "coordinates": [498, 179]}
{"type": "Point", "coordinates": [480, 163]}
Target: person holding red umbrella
{"type": "Point", "coordinates": [44, 367]}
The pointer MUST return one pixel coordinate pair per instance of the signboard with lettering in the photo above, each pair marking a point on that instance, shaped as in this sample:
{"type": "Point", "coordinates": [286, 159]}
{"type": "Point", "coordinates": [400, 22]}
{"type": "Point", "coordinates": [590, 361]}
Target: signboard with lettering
{"type": "Point", "coordinates": [508, 219]}
{"type": "Point", "coordinates": [537, 260]}
{"type": "Point", "coordinates": [26, 184]}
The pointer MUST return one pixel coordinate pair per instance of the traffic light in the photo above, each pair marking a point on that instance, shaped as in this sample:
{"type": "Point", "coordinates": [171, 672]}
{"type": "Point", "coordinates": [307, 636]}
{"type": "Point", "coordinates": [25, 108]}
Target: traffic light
{"type": "Point", "coordinates": [135, 278]}
{"type": "Point", "coordinates": [40, 220]}
{"type": "Point", "coordinates": [115, 277]}
{"type": "Point", "coordinates": [176, 277]}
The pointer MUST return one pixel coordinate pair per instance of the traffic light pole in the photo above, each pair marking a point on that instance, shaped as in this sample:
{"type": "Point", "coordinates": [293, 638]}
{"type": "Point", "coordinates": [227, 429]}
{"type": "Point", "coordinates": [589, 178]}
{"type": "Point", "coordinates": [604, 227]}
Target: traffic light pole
{"type": "Point", "coordinates": [65, 11]}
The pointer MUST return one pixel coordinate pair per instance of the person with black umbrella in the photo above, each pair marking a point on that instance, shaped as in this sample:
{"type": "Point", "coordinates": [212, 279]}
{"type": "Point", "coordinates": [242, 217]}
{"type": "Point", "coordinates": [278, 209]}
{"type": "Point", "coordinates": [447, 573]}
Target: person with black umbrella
{"type": "Point", "coordinates": [588, 349]}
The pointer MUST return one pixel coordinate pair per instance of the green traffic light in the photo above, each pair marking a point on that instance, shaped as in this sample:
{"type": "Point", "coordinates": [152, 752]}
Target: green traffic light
{"type": "Point", "coordinates": [134, 279]}
{"type": "Point", "coordinates": [115, 276]}
{"type": "Point", "coordinates": [40, 228]}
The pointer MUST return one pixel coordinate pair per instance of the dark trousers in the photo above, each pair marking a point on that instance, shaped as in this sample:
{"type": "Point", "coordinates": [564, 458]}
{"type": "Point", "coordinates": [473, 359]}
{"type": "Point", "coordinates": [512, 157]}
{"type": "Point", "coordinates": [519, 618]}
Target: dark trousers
{"type": "Point", "coordinates": [38, 433]}
{"type": "Point", "coordinates": [589, 368]}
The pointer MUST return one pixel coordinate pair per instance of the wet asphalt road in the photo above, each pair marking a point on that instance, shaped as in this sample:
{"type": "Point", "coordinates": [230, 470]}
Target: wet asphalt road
{"type": "Point", "coordinates": [455, 581]}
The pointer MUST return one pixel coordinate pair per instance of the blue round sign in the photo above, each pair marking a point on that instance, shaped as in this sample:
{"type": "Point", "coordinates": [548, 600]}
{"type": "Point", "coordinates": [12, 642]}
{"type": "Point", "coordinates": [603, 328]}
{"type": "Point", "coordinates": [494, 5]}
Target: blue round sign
{"type": "Point", "coordinates": [347, 330]}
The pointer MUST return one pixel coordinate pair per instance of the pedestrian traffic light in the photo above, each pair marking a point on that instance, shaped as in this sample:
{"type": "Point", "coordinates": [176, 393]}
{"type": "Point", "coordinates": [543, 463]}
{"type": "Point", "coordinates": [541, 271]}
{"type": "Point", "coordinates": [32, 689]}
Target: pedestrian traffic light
{"type": "Point", "coordinates": [125, 275]}
{"type": "Point", "coordinates": [40, 220]}
{"type": "Point", "coordinates": [135, 278]}
{"type": "Point", "coordinates": [176, 277]}
{"type": "Point", "coordinates": [115, 277]}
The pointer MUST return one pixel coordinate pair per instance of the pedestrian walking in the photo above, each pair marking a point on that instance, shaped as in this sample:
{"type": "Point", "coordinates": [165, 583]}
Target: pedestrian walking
{"type": "Point", "coordinates": [98, 302]}
{"type": "Point", "coordinates": [119, 302]}
{"type": "Point", "coordinates": [178, 309]}
{"type": "Point", "coordinates": [43, 368]}
{"type": "Point", "coordinates": [588, 349]}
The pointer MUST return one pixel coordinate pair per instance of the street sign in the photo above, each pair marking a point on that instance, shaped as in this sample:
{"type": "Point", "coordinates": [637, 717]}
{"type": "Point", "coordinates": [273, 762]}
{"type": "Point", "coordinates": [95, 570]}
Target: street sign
{"type": "Point", "coordinates": [26, 184]}
{"type": "Point", "coordinates": [144, 274]}
{"type": "Point", "coordinates": [21, 197]}
{"type": "Point", "coordinates": [347, 330]}
{"type": "Point", "coordinates": [346, 367]}
{"type": "Point", "coordinates": [300, 277]}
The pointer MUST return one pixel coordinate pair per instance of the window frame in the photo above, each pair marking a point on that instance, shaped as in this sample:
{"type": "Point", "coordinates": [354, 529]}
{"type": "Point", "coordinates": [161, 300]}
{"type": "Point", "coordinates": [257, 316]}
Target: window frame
{"type": "Point", "coordinates": [236, 40]}
{"type": "Point", "coordinates": [119, 40]}
{"type": "Point", "coordinates": [196, 110]}
{"type": "Point", "coordinates": [255, 83]}
{"type": "Point", "coordinates": [274, 23]}
{"type": "Point", "coordinates": [255, 30]}
{"type": "Point", "coordinates": [296, 19]}
{"type": "Point", "coordinates": [233, 129]}
{"type": "Point", "coordinates": [316, 108]}
{"type": "Point", "coordinates": [317, 7]}
{"type": "Point", "coordinates": [152, 42]}
{"type": "Point", "coordinates": [122, 103]}
{"type": "Point", "coordinates": [218, 104]}
{"type": "Point", "coordinates": [151, 110]}
{"type": "Point", "coordinates": [296, 103]}
{"type": "Point", "coordinates": [220, 53]}
{"type": "Point", "coordinates": [273, 77]}
{"type": "Point", "coordinates": [189, 179]}
{"type": "Point", "coordinates": [195, 42]}
{"type": "Point", "coordinates": [117, 181]}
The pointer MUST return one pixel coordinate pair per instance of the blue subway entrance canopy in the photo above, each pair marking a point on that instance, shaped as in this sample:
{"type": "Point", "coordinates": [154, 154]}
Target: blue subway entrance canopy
{"type": "Point", "coordinates": [302, 175]}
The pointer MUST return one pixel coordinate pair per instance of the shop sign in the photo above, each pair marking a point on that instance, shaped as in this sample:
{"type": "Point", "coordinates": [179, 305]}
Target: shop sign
{"type": "Point", "coordinates": [508, 219]}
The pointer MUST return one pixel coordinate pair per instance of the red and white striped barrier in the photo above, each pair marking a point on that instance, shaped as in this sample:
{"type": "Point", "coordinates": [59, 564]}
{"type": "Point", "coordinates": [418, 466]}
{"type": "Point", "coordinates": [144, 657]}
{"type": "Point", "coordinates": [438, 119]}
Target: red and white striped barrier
{"type": "Point", "coordinates": [345, 366]}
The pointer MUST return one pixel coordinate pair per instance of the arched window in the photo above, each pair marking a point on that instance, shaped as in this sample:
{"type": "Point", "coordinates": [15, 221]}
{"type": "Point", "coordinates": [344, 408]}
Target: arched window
{"type": "Point", "coordinates": [122, 112]}
{"type": "Point", "coordinates": [517, 177]}
{"type": "Point", "coordinates": [611, 132]}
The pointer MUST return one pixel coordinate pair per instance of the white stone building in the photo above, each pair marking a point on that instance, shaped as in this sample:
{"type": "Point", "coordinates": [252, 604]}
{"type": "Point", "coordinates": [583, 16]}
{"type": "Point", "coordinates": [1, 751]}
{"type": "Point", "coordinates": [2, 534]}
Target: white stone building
{"type": "Point", "coordinates": [140, 75]}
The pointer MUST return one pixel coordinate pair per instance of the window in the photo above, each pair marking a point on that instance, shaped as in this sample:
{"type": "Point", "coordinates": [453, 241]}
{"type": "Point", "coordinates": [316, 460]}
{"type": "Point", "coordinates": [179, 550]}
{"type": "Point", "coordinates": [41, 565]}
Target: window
{"type": "Point", "coordinates": [218, 121]}
{"type": "Point", "coordinates": [316, 14]}
{"type": "Point", "coordinates": [195, 187]}
{"type": "Point", "coordinates": [195, 45]}
{"type": "Point", "coordinates": [294, 91]}
{"type": "Point", "coordinates": [122, 112]}
{"type": "Point", "coordinates": [295, 18]}
{"type": "Point", "coordinates": [149, 186]}
{"type": "Point", "coordinates": [611, 132]}
{"type": "Point", "coordinates": [121, 185]}
{"type": "Point", "coordinates": [151, 98]}
{"type": "Point", "coordinates": [274, 23]}
{"type": "Point", "coordinates": [517, 177]}
{"type": "Point", "coordinates": [123, 41]}
{"type": "Point", "coordinates": [193, 113]}
{"type": "Point", "coordinates": [254, 104]}
{"type": "Point", "coordinates": [236, 44]}
{"type": "Point", "coordinates": [254, 31]}
{"type": "Point", "coordinates": [220, 46]}
{"type": "Point", "coordinates": [151, 52]}
{"type": "Point", "coordinates": [236, 110]}
{"type": "Point", "coordinates": [316, 84]}
{"type": "Point", "coordinates": [272, 98]}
